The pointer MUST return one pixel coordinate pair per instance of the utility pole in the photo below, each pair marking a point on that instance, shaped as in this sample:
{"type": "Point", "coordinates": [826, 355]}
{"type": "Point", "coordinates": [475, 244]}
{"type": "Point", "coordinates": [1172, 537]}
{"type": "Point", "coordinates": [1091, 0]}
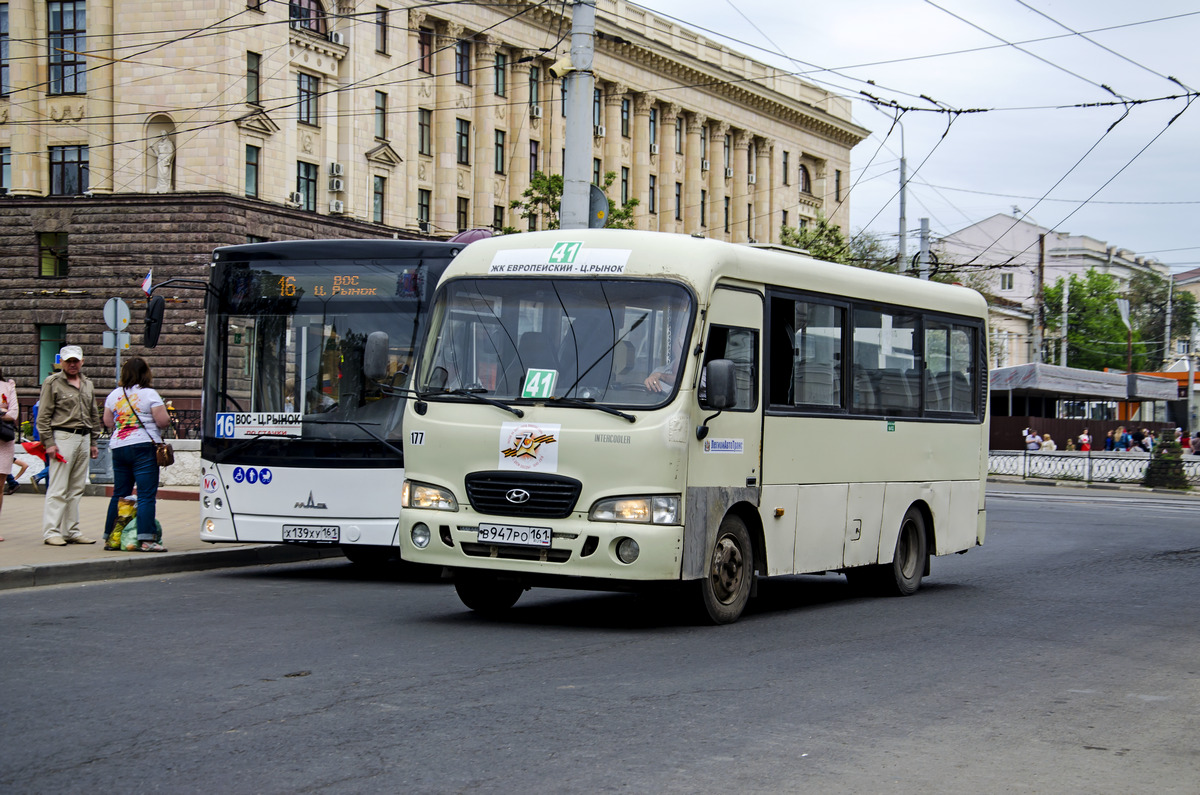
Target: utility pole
{"type": "Point", "coordinates": [1038, 308]}
{"type": "Point", "coordinates": [1062, 358]}
{"type": "Point", "coordinates": [573, 212]}
{"type": "Point", "coordinates": [1167, 335]}
{"type": "Point", "coordinates": [923, 257]}
{"type": "Point", "coordinates": [902, 246]}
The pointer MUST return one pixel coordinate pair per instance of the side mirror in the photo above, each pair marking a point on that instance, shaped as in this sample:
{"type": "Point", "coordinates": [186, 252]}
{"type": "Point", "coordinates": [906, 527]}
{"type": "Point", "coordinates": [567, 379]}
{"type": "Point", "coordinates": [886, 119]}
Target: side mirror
{"type": "Point", "coordinates": [154, 320]}
{"type": "Point", "coordinates": [720, 389]}
{"type": "Point", "coordinates": [375, 356]}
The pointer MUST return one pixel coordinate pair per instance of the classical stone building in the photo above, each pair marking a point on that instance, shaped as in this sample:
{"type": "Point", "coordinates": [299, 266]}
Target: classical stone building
{"type": "Point", "coordinates": [143, 133]}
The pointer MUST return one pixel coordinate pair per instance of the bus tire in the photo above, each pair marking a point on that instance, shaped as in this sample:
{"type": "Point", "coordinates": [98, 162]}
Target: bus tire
{"type": "Point", "coordinates": [486, 593]}
{"type": "Point", "coordinates": [902, 577]}
{"type": "Point", "coordinates": [725, 590]}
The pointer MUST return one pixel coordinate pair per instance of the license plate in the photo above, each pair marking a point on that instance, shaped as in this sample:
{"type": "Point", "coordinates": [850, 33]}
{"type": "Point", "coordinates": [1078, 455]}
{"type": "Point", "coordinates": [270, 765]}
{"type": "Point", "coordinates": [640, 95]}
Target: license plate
{"type": "Point", "coordinates": [324, 534]}
{"type": "Point", "coordinates": [515, 535]}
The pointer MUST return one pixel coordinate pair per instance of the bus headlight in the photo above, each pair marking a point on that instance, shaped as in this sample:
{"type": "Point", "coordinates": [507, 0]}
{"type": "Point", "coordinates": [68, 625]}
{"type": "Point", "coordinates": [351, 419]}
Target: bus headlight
{"type": "Point", "coordinates": [422, 495]}
{"type": "Point", "coordinates": [641, 510]}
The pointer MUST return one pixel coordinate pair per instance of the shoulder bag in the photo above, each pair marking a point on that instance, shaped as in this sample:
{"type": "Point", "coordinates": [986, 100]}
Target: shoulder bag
{"type": "Point", "coordinates": [164, 454]}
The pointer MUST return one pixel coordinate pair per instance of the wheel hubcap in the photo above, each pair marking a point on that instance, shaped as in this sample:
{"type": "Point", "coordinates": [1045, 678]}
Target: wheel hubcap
{"type": "Point", "coordinates": [728, 569]}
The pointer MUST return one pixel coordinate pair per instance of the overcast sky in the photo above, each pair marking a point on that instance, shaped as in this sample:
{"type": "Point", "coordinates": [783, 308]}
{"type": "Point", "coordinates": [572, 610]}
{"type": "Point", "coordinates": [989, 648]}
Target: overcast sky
{"type": "Point", "coordinates": [1031, 142]}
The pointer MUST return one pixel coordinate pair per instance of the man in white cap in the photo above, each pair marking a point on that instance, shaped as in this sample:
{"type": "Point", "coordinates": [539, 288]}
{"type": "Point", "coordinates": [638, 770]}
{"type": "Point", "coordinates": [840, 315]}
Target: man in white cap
{"type": "Point", "coordinates": [69, 425]}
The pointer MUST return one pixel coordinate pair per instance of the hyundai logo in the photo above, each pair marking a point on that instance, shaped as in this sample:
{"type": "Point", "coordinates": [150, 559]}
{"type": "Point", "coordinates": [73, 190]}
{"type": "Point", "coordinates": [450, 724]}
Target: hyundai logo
{"type": "Point", "coordinates": [517, 496]}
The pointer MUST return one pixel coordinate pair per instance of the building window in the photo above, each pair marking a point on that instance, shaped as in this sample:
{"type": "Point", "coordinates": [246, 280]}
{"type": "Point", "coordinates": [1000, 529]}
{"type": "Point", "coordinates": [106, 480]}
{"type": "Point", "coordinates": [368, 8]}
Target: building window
{"type": "Point", "coordinates": [624, 185]}
{"type": "Point", "coordinates": [597, 107]}
{"type": "Point", "coordinates": [703, 208]}
{"type": "Point", "coordinates": [51, 338]}
{"type": "Point", "coordinates": [255, 5]}
{"type": "Point", "coordinates": [424, 131]}
{"type": "Point", "coordinates": [462, 62]}
{"type": "Point", "coordinates": [307, 88]}
{"type": "Point", "coordinates": [837, 185]}
{"type": "Point", "coordinates": [497, 217]}
{"type": "Point", "coordinates": [533, 222]}
{"type": "Point", "coordinates": [704, 142]}
{"type": "Point", "coordinates": [307, 14]}
{"type": "Point", "coordinates": [678, 201]}
{"type": "Point", "coordinates": [727, 205]}
{"type": "Point", "coordinates": [5, 170]}
{"type": "Point", "coordinates": [380, 115]}
{"type": "Point", "coordinates": [424, 199]}
{"type": "Point", "coordinates": [499, 71]}
{"type": "Point", "coordinates": [52, 254]}
{"type": "Point", "coordinates": [595, 170]}
{"type": "Point", "coordinates": [425, 51]}
{"type": "Point", "coordinates": [378, 191]}
{"type": "Point", "coordinates": [805, 180]}
{"type": "Point", "coordinates": [5, 84]}
{"type": "Point", "coordinates": [252, 155]}
{"type": "Point", "coordinates": [253, 77]}
{"type": "Point", "coordinates": [381, 29]}
{"type": "Point", "coordinates": [68, 170]}
{"type": "Point", "coordinates": [787, 180]}
{"type": "Point", "coordinates": [653, 126]}
{"type": "Point", "coordinates": [625, 117]}
{"type": "Point", "coordinates": [533, 159]}
{"type": "Point", "coordinates": [535, 82]}
{"type": "Point", "coordinates": [306, 185]}
{"type": "Point", "coordinates": [1006, 281]}
{"type": "Point", "coordinates": [499, 151]}
{"type": "Point", "coordinates": [464, 213]}
{"type": "Point", "coordinates": [1183, 346]}
{"type": "Point", "coordinates": [679, 135]}
{"type": "Point", "coordinates": [728, 151]}
{"type": "Point", "coordinates": [652, 200]}
{"type": "Point", "coordinates": [463, 138]}
{"type": "Point", "coordinates": [67, 44]}
{"type": "Point", "coordinates": [785, 217]}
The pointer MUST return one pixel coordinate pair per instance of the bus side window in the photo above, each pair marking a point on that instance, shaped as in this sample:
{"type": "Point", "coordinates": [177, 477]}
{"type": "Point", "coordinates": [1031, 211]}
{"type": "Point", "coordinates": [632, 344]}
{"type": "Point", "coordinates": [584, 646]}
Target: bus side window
{"type": "Point", "coordinates": [740, 345]}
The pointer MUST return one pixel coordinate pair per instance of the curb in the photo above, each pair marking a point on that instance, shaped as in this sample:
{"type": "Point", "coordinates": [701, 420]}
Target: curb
{"type": "Point", "coordinates": [153, 565]}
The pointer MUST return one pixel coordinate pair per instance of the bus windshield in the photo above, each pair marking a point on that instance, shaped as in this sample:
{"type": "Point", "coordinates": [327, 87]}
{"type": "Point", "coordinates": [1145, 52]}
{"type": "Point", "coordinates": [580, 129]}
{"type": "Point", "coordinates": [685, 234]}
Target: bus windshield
{"type": "Point", "coordinates": [287, 343]}
{"type": "Point", "coordinates": [543, 339]}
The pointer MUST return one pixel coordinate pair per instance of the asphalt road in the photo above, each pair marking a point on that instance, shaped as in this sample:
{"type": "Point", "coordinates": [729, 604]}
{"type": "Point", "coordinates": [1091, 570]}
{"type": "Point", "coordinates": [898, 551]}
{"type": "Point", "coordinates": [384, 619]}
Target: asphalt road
{"type": "Point", "coordinates": [1063, 656]}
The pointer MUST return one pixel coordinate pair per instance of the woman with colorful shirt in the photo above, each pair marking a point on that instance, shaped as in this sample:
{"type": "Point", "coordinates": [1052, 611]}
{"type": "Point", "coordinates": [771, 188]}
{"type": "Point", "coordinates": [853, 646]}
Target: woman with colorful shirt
{"type": "Point", "coordinates": [135, 413]}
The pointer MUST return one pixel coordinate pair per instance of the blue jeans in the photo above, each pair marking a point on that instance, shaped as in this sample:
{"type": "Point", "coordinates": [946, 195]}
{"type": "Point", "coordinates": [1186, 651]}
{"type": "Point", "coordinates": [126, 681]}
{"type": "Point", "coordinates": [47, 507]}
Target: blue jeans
{"type": "Point", "coordinates": [134, 463]}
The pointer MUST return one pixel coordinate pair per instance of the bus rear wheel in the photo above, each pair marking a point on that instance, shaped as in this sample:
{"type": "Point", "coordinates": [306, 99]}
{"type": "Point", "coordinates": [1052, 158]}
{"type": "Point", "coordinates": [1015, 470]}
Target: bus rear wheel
{"type": "Point", "coordinates": [725, 590]}
{"type": "Point", "coordinates": [486, 593]}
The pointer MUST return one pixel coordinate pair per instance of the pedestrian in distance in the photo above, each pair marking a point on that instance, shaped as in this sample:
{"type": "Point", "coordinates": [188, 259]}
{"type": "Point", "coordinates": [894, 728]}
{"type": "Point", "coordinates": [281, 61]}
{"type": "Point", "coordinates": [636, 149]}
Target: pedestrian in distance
{"type": "Point", "coordinates": [1048, 444]}
{"type": "Point", "coordinates": [1085, 441]}
{"type": "Point", "coordinates": [135, 412]}
{"type": "Point", "coordinates": [10, 413]}
{"type": "Point", "coordinates": [1033, 441]}
{"type": "Point", "coordinates": [69, 426]}
{"type": "Point", "coordinates": [1110, 444]}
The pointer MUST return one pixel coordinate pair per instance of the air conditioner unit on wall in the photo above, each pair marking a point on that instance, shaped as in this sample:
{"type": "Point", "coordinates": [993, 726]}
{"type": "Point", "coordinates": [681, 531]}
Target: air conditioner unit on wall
{"type": "Point", "coordinates": [728, 173]}
{"type": "Point", "coordinates": [336, 185]}
{"type": "Point", "coordinates": [337, 207]}
{"type": "Point", "coordinates": [598, 130]}
{"type": "Point", "coordinates": [653, 149]}
{"type": "Point", "coordinates": [751, 179]}
{"type": "Point", "coordinates": [535, 111]}
{"type": "Point", "coordinates": [335, 169]}
{"type": "Point", "coordinates": [337, 37]}
{"type": "Point", "coordinates": [296, 197]}
{"type": "Point", "coordinates": [704, 165]}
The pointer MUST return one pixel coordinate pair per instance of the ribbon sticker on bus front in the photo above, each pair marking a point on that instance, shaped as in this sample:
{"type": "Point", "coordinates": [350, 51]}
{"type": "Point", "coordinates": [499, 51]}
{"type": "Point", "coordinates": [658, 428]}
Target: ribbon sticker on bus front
{"type": "Point", "coordinates": [529, 446]}
{"type": "Point", "coordinates": [234, 425]}
{"type": "Point", "coordinates": [539, 384]}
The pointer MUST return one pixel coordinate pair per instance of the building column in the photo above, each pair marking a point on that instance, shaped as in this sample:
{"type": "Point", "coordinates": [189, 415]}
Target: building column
{"type": "Point", "coordinates": [693, 177]}
{"type": "Point", "coordinates": [612, 137]}
{"type": "Point", "coordinates": [640, 160]}
{"type": "Point", "coordinates": [717, 181]}
{"type": "Point", "coordinates": [519, 127]}
{"type": "Point", "coordinates": [484, 130]}
{"type": "Point", "coordinates": [101, 134]}
{"type": "Point", "coordinates": [29, 155]}
{"type": "Point", "coordinates": [741, 186]}
{"type": "Point", "coordinates": [419, 96]}
{"type": "Point", "coordinates": [447, 92]}
{"type": "Point", "coordinates": [670, 171]}
{"type": "Point", "coordinates": [762, 190]}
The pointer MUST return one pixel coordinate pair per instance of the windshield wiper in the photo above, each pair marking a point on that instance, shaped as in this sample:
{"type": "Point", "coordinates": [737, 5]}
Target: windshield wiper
{"type": "Point", "coordinates": [362, 428]}
{"type": "Point", "coordinates": [249, 440]}
{"type": "Point", "coordinates": [475, 394]}
{"type": "Point", "coordinates": [590, 403]}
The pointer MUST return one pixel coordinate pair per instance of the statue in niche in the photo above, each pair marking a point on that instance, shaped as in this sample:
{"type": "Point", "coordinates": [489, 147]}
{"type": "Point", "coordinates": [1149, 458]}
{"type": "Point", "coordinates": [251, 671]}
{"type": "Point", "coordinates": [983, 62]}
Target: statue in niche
{"type": "Point", "coordinates": [164, 155]}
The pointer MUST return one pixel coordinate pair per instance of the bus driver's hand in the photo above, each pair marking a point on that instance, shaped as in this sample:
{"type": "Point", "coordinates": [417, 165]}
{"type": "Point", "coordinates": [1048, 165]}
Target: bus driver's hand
{"type": "Point", "coordinates": [654, 382]}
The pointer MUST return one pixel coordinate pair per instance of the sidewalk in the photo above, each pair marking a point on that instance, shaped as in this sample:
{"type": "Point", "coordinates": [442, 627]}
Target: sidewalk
{"type": "Point", "coordinates": [25, 561]}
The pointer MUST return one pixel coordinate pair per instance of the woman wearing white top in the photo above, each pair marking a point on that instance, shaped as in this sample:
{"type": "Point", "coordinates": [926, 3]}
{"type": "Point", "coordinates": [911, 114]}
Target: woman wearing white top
{"type": "Point", "coordinates": [135, 412]}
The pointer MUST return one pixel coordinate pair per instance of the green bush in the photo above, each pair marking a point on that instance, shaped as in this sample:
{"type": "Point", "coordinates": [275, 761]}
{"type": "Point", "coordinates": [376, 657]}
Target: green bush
{"type": "Point", "coordinates": [1165, 470]}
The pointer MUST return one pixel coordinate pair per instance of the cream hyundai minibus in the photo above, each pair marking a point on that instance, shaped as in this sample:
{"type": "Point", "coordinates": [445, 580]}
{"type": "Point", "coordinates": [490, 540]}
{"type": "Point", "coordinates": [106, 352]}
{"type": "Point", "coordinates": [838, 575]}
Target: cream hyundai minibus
{"type": "Point", "coordinates": [609, 409]}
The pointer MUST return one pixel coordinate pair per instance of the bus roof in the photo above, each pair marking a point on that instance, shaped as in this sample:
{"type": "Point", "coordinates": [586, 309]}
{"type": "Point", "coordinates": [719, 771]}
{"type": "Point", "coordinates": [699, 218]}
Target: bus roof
{"type": "Point", "coordinates": [701, 263]}
{"type": "Point", "coordinates": [386, 248]}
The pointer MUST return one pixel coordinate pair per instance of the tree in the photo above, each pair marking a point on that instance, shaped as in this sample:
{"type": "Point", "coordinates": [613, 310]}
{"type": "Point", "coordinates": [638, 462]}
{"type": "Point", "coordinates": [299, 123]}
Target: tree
{"type": "Point", "coordinates": [1148, 294]}
{"type": "Point", "coordinates": [822, 239]}
{"type": "Point", "coordinates": [1096, 337]}
{"type": "Point", "coordinates": [543, 198]}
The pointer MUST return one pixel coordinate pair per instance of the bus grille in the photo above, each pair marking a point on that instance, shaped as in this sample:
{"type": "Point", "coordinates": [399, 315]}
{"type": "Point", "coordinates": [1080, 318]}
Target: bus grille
{"type": "Point", "coordinates": [550, 496]}
{"type": "Point", "coordinates": [542, 554]}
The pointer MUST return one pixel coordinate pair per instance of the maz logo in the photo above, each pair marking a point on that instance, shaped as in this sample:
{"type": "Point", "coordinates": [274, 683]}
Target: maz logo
{"type": "Point", "coordinates": [311, 504]}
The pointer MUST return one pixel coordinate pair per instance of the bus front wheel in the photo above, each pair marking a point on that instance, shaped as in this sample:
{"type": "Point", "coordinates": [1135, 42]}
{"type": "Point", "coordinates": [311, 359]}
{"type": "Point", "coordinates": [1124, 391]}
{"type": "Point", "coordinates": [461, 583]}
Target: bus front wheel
{"type": "Point", "coordinates": [485, 593]}
{"type": "Point", "coordinates": [725, 590]}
